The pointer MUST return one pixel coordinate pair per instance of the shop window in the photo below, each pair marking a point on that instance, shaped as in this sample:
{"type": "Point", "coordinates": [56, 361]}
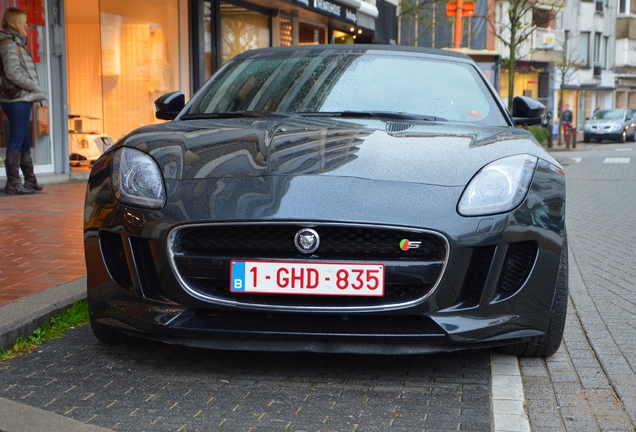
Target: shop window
{"type": "Point", "coordinates": [122, 55]}
{"type": "Point", "coordinates": [242, 29]}
{"type": "Point", "coordinates": [343, 38]}
{"type": "Point", "coordinates": [285, 30]}
{"type": "Point", "coordinates": [309, 34]}
{"type": "Point", "coordinates": [41, 146]}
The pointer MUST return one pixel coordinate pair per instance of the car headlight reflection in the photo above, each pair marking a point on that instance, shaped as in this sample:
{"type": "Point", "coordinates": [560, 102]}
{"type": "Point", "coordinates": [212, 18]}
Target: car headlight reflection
{"type": "Point", "coordinates": [498, 187]}
{"type": "Point", "coordinates": [137, 179]}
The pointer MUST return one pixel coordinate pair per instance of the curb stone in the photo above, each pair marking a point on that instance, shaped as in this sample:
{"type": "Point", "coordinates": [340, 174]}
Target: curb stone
{"type": "Point", "coordinates": [21, 317]}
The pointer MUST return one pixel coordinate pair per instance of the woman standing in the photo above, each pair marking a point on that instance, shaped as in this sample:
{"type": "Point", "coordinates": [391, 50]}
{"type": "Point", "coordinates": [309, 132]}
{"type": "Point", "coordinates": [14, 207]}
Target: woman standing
{"type": "Point", "coordinates": [19, 68]}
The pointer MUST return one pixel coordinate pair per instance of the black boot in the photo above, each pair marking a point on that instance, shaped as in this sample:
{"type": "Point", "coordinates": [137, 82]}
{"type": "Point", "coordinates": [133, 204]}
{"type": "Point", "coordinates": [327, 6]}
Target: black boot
{"type": "Point", "coordinates": [12, 166]}
{"type": "Point", "coordinates": [26, 163]}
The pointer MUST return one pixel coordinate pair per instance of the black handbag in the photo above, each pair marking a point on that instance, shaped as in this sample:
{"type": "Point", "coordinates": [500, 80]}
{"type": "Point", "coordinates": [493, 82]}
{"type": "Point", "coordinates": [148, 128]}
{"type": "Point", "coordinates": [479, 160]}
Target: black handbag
{"type": "Point", "coordinates": [7, 88]}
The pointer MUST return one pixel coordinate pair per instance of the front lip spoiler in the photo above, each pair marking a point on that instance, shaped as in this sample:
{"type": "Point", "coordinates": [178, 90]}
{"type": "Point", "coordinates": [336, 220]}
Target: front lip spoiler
{"type": "Point", "coordinates": [324, 345]}
{"type": "Point", "coordinates": [272, 308]}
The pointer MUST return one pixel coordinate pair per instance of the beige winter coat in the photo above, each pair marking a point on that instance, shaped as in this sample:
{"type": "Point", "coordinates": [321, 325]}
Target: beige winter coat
{"type": "Point", "coordinates": [20, 69]}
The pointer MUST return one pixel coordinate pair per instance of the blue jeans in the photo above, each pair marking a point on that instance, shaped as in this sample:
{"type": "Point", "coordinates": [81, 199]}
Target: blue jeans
{"type": "Point", "coordinates": [19, 114]}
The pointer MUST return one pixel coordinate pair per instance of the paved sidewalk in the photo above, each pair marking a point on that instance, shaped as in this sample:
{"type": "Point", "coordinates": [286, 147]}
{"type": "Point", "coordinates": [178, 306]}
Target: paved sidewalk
{"type": "Point", "coordinates": [41, 248]}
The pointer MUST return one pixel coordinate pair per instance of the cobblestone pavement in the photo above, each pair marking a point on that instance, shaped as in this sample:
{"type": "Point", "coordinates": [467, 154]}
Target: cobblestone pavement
{"type": "Point", "coordinates": [160, 387]}
{"type": "Point", "coordinates": [590, 383]}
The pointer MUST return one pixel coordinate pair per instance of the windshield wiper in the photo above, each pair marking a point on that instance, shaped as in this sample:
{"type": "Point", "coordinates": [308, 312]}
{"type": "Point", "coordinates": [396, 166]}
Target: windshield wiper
{"type": "Point", "coordinates": [234, 114]}
{"type": "Point", "coordinates": [379, 114]}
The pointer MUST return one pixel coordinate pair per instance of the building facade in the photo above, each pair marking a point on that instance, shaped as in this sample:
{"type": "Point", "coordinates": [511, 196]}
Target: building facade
{"type": "Point", "coordinates": [102, 63]}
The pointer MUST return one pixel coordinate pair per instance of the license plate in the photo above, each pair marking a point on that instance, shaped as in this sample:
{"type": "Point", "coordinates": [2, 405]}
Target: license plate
{"type": "Point", "coordinates": [600, 132]}
{"type": "Point", "coordinates": [307, 278]}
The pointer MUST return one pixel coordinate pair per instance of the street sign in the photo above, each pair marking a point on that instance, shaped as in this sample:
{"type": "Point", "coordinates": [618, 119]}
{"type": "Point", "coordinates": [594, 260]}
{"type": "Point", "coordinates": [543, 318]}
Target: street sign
{"type": "Point", "coordinates": [469, 9]}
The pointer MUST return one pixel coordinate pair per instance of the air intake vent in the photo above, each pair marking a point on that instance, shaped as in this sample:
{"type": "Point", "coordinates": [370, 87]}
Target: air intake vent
{"type": "Point", "coordinates": [112, 246]}
{"type": "Point", "coordinates": [516, 269]}
{"type": "Point", "coordinates": [476, 276]}
{"type": "Point", "coordinates": [398, 127]}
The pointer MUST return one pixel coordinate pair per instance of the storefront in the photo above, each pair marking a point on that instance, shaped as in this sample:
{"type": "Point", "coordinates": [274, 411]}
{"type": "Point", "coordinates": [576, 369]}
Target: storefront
{"type": "Point", "coordinates": [121, 56]}
{"type": "Point", "coordinates": [41, 125]}
{"type": "Point", "coordinates": [222, 29]}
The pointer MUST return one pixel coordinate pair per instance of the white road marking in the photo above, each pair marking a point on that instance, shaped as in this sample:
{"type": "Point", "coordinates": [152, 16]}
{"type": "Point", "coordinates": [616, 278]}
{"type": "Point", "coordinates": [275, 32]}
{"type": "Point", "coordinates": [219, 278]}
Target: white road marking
{"type": "Point", "coordinates": [508, 399]}
{"type": "Point", "coordinates": [576, 160]}
{"type": "Point", "coordinates": [623, 149]}
{"type": "Point", "coordinates": [624, 160]}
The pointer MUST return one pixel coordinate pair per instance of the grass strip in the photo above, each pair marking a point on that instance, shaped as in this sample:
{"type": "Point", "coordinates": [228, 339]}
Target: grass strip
{"type": "Point", "coordinates": [72, 317]}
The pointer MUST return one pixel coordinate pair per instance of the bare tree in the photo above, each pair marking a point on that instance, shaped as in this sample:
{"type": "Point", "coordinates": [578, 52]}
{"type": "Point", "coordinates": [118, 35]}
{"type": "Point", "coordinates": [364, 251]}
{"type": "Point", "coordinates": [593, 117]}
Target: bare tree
{"type": "Point", "coordinates": [567, 67]}
{"type": "Point", "coordinates": [523, 17]}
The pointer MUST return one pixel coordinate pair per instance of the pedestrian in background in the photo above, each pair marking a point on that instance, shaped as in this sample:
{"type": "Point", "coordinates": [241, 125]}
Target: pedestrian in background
{"type": "Point", "coordinates": [546, 122]}
{"type": "Point", "coordinates": [19, 68]}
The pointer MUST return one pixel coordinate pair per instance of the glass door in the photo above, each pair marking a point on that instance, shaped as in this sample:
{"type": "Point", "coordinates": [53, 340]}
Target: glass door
{"type": "Point", "coordinates": [37, 44]}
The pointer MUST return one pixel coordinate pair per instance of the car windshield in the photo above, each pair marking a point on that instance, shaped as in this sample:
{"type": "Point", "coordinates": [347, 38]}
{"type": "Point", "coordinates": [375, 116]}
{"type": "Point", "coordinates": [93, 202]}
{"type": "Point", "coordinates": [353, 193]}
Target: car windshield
{"type": "Point", "coordinates": [609, 115]}
{"type": "Point", "coordinates": [348, 83]}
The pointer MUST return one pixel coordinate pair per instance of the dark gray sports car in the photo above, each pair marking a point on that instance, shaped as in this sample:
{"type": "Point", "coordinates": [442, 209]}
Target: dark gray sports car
{"type": "Point", "coordinates": [366, 199]}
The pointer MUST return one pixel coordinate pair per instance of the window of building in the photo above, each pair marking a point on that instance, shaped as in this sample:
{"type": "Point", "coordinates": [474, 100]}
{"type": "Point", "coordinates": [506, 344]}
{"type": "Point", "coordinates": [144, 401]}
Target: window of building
{"type": "Point", "coordinates": [311, 34]}
{"type": "Point", "coordinates": [605, 52]}
{"type": "Point", "coordinates": [584, 49]}
{"type": "Point", "coordinates": [122, 55]}
{"type": "Point", "coordinates": [599, 6]}
{"type": "Point", "coordinates": [285, 31]}
{"type": "Point", "coordinates": [242, 29]}
{"type": "Point", "coordinates": [597, 47]}
{"type": "Point", "coordinates": [542, 17]}
{"type": "Point", "coordinates": [622, 6]}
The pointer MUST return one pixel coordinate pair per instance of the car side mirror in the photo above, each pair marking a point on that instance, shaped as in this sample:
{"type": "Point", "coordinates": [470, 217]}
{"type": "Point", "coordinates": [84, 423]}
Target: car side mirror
{"type": "Point", "coordinates": [169, 105]}
{"type": "Point", "coordinates": [527, 111]}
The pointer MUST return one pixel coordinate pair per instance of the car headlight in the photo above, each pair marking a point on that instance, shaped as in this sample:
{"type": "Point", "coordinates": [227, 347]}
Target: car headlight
{"type": "Point", "coordinates": [498, 187]}
{"type": "Point", "coordinates": [137, 179]}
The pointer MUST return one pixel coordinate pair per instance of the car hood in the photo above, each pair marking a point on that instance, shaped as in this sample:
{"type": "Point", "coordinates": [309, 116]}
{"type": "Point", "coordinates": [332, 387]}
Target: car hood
{"type": "Point", "coordinates": [605, 122]}
{"type": "Point", "coordinates": [435, 153]}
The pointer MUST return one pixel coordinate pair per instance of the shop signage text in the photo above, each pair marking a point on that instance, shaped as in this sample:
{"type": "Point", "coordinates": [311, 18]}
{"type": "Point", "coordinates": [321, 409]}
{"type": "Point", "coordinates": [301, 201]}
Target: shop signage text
{"type": "Point", "coordinates": [330, 8]}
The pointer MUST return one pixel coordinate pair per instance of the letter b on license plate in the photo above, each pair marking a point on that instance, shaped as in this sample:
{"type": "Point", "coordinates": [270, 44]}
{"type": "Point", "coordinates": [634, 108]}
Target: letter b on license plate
{"type": "Point", "coordinates": [307, 278]}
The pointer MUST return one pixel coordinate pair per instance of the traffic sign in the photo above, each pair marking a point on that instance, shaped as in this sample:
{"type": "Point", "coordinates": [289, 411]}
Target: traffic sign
{"type": "Point", "coordinates": [469, 9]}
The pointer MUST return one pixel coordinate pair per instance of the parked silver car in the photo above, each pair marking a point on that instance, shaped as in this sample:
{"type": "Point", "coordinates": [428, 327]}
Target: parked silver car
{"type": "Point", "coordinates": [611, 125]}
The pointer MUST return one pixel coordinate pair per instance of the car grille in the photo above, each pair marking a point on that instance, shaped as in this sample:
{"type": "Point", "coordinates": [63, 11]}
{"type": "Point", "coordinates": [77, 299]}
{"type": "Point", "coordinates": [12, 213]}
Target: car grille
{"type": "Point", "coordinates": [201, 256]}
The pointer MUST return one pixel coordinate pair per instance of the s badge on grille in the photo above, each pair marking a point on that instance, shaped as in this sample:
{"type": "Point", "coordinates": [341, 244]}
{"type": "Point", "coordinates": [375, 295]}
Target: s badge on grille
{"type": "Point", "coordinates": [307, 240]}
{"type": "Point", "coordinates": [407, 244]}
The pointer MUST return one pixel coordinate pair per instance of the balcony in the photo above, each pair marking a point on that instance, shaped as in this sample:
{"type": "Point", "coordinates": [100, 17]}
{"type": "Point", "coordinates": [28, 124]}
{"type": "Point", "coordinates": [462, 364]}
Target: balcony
{"type": "Point", "coordinates": [626, 28]}
{"type": "Point", "coordinates": [547, 39]}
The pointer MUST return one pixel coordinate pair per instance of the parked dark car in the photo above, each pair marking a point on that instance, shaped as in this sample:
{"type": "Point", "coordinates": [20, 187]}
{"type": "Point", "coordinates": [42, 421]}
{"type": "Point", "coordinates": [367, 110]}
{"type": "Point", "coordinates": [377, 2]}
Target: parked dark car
{"type": "Point", "coordinates": [358, 199]}
{"type": "Point", "coordinates": [610, 124]}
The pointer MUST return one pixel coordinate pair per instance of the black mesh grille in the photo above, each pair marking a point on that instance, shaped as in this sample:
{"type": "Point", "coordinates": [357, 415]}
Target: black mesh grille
{"type": "Point", "coordinates": [145, 265]}
{"type": "Point", "coordinates": [476, 276]}
{"type": "Point", "coordinates": [517, 265]}
{"type": "Point", "coordinates": [112, 246]}
{"type": "Point", "coordinates": [250, 240]}
{"type": "Point", "coordinates": [202, 255]}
